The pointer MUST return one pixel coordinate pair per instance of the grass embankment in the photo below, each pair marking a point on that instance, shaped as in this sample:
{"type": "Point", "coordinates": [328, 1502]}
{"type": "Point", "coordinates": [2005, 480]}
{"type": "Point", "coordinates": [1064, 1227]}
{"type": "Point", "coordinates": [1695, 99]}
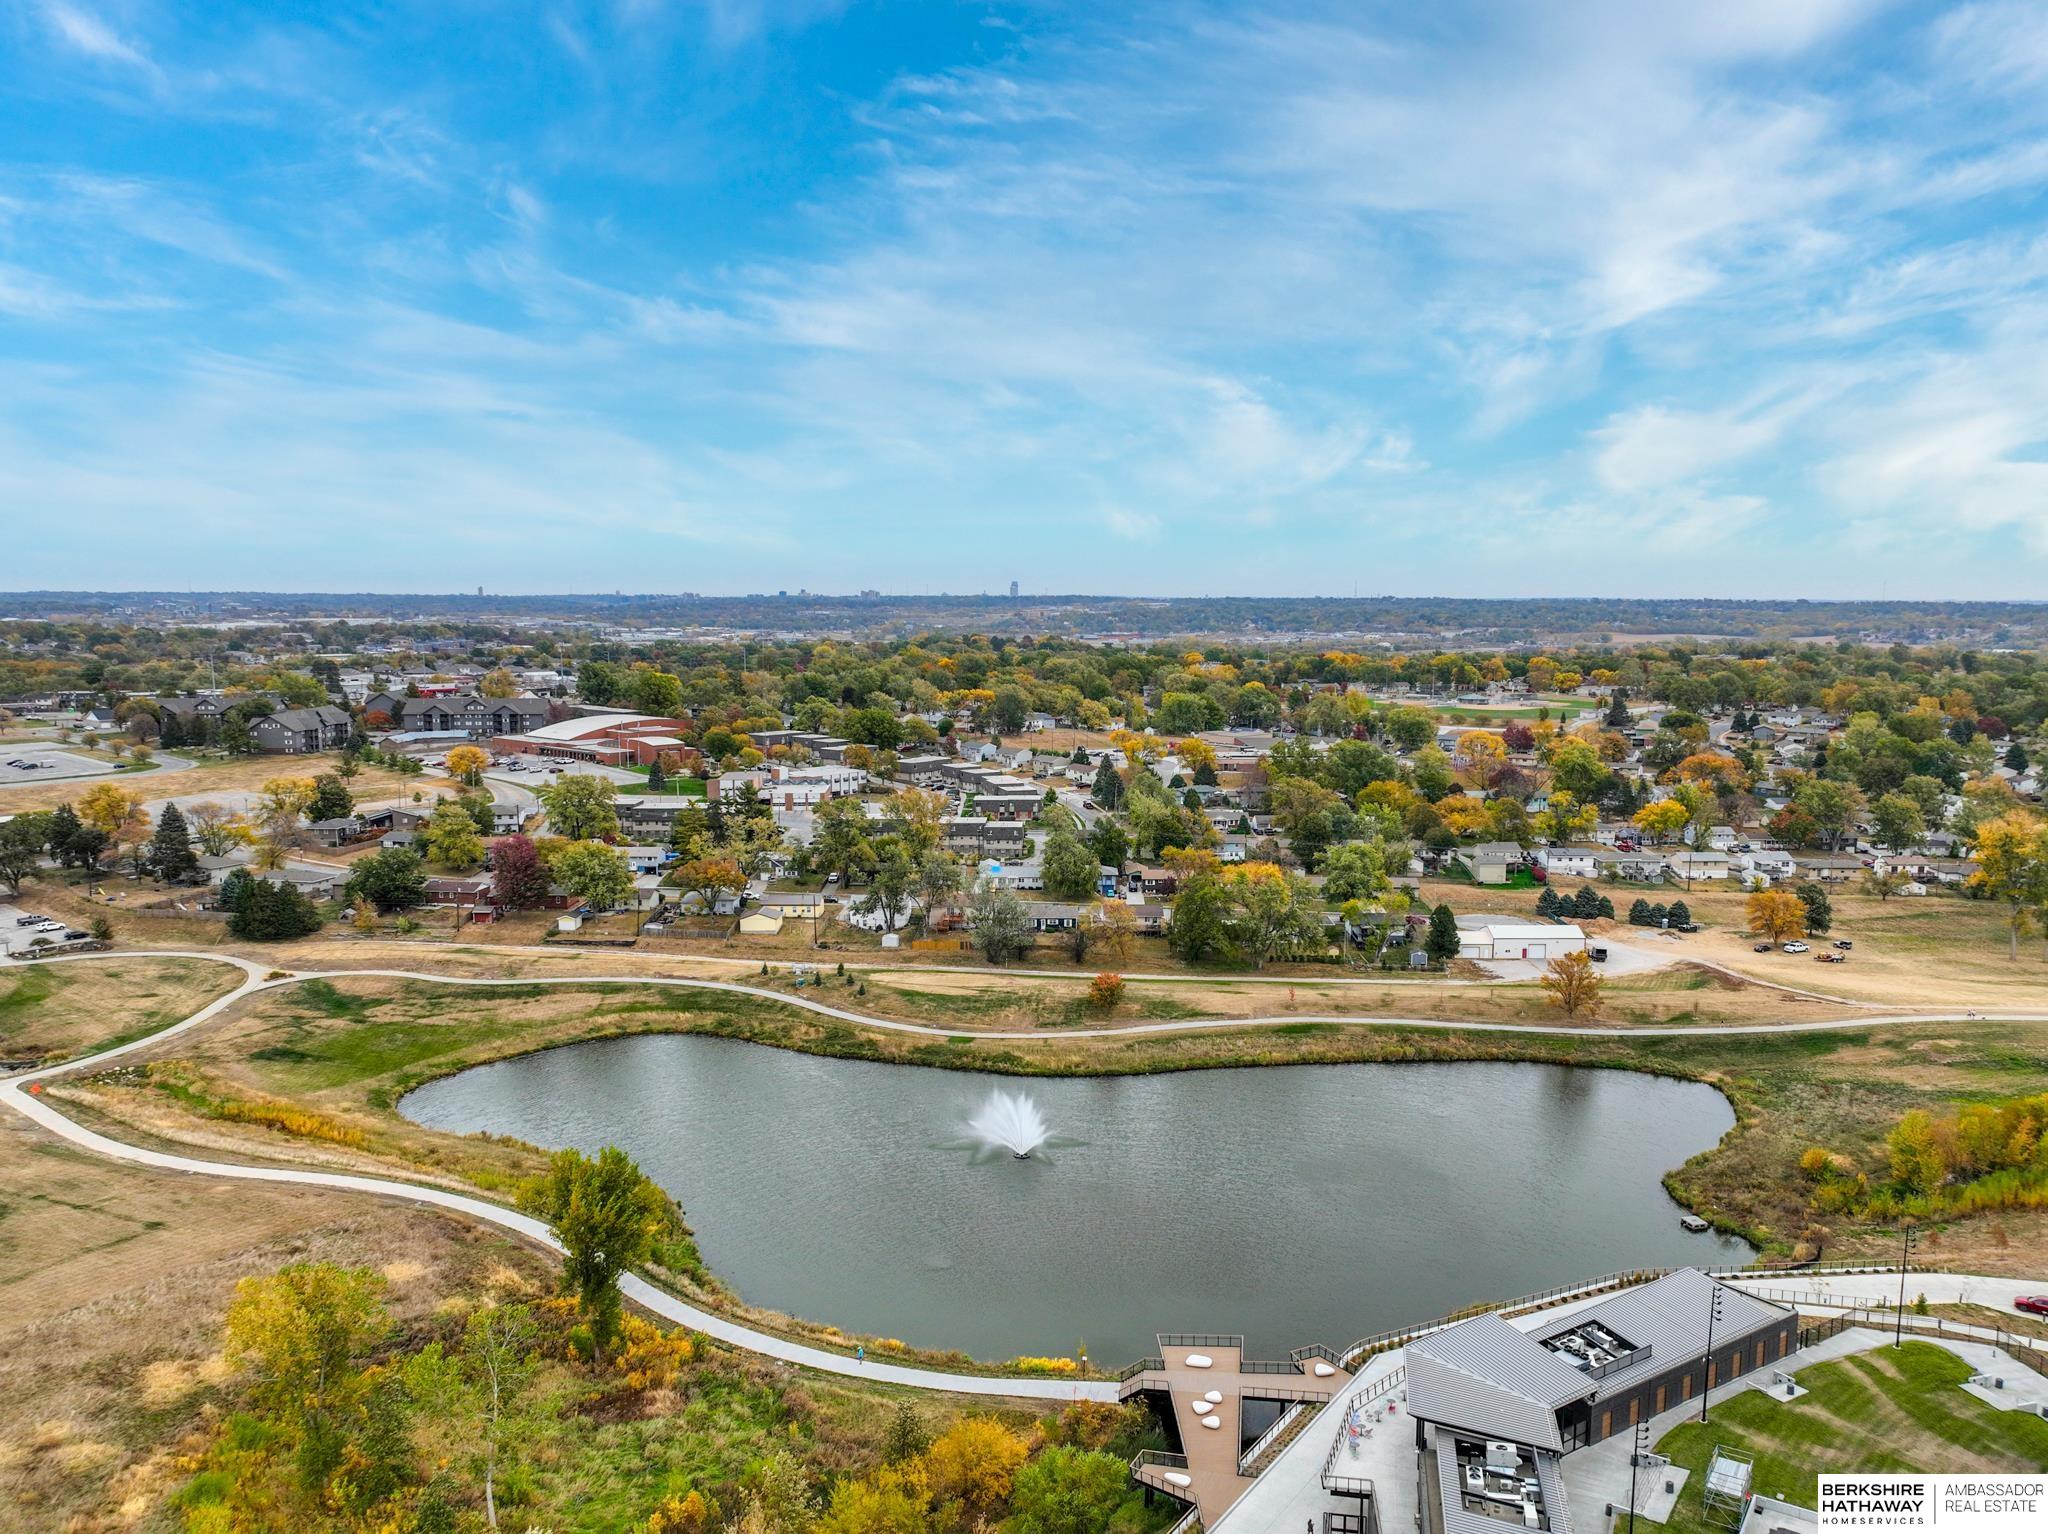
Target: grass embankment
{"type": "Point", "coordinates": [125, 1275]}
{"type": "Point", "coordinates": [1891, 1409]}
{"type": "Point", "coordinates": [342, 1052]}
{"type": "Point", "coordinates": [51, 1012]}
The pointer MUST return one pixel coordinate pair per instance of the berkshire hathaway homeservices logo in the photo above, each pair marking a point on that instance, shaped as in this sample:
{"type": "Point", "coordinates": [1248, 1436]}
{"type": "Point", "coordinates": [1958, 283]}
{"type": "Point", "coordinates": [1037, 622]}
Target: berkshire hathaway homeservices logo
{"type": "Point", "coordinates": [1954, 1504]}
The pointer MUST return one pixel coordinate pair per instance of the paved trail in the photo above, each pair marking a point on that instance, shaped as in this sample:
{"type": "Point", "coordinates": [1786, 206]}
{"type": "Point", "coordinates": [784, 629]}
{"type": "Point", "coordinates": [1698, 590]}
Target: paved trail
{"type": "Point", "coordinates": [17, 1094]}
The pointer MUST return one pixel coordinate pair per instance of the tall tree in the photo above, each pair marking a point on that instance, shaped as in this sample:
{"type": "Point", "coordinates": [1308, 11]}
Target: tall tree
{"type": "Point", "coordinates": [1442, 942]}
{"type": "Point", "coordinates": [392, 879]}
{"type": "Point", "coordinates": [608, 1217]}
{"type": "Point", "coordinates": [171, 857]}
{"type": "Point", "coordinates": [517, 877]}
{"type": "Point", "coordinates": [580, 807]}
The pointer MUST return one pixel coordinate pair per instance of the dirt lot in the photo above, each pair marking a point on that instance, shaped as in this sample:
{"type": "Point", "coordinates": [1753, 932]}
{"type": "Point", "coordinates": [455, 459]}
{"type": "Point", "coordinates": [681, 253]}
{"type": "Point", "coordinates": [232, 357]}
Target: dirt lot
{"type": "Point", "coordinates": [50, 1011]}
{"type": "Point", "coordinates": [1926, 953]}
{"type": "Point", "coordinates": [211, 777]}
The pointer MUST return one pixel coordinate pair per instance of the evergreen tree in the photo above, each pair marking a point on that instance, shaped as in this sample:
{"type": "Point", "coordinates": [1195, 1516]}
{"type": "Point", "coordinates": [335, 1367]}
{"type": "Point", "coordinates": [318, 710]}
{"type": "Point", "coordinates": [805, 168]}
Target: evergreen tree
{"type": "Point", "coordinates": [1205, 775]}
{"type": "Point", "coordinates": [62, 835]}
{"type": "Point", "coordinates": [1108, 788]}
{"type": "Point", "coordinates": [657, 780]}
{"type": "Point", "coordinates": [1820, 913]}
{"type": "Point", "coordinates": [172, 733]}
{"type": "Point", "coordinates": [2016, 757]}
{"type": "Point", "coordinates": [271, 912]}
{"type": "Point", "coordinates": [1658, 915]}
{"type": "Point", "coordinates": [1618, 716]}
{"type": "Point", "coordinates": [1680, 913]}
{"type": "Point", "coordinates": [1546, 903]}
{"type": "Point", "coordinates": [171, 857]}
{"type": "Point", "coordinates": [1441, 942]}
{"type": "Point", "coordinates": [1639, 913]}
{"type": "Point", "coordinates": [1586, 903]}
{"type": "Point", "coordinates": [1606, 911]}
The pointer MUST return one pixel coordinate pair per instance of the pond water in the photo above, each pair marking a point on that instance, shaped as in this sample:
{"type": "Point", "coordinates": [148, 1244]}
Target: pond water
{"type": "Point", "coordinates": [1295, 1204]}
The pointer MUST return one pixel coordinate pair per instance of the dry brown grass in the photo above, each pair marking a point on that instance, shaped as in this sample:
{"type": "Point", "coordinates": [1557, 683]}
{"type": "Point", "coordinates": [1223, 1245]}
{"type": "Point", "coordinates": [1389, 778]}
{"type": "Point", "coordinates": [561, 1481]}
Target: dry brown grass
{"type": "Point", "coordinates": [214, 777]}
{"type": "Point", "coordinates": [51, 1012]}
{"type": "Point", "coordinates": [116, 1281]}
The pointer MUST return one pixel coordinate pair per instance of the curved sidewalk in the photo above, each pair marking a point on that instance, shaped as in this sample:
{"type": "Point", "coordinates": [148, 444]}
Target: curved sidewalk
{"type": "Point", "coordinates": [16, 1093]}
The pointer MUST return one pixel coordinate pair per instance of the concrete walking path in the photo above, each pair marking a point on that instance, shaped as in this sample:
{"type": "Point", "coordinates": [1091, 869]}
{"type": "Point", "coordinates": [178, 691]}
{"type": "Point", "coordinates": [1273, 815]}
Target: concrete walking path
{"type": "Point", "coordinates": [16, 1093]}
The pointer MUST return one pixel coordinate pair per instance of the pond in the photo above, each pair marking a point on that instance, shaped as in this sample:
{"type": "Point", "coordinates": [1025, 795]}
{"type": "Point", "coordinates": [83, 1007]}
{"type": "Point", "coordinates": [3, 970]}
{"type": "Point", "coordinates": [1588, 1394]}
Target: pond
{"type": "Point", "coordinates": [1295, 1204]}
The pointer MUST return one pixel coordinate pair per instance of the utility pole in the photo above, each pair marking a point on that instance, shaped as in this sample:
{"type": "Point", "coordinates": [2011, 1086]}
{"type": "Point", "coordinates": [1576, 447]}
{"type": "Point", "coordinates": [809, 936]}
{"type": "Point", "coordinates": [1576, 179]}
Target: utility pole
{"type": "Point", "coordinates": [1707, 1381]}
{"type": "Point", "coordinates": [1910, 1239]}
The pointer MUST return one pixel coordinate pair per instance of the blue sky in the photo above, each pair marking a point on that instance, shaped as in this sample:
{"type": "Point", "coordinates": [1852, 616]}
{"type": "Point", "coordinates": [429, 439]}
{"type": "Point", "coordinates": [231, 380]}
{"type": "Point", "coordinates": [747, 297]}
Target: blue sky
{"type": "Point", "coordinates": [1741, 298]}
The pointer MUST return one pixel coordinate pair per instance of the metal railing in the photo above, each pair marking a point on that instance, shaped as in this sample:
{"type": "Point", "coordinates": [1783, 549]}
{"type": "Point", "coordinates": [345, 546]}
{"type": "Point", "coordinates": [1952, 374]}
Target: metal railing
{"type": "Point", "coordinates": [1202, 1340]}
{"type": "Point", "coordinates": [1355, 1485]}
{"type": "Point", "coordinates": [2029, 1350]}
{"type": "Point", "coordinates": [1149, 1467]}
{"type": "Point", "coordinates": [1627, 1278]}
{"type": "Point", "coordinates": [1271, 1436]}
{"type": "Point", "coordinates": [1190, 1522]}
{"type": "Point", "coordinates": [1141, 1366]}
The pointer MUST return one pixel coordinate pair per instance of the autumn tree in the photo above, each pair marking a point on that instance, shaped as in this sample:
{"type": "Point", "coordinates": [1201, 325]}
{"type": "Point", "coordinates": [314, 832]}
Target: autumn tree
{"type": "Point", "coordinates": [518, 880]}
{"type": "Point", "coordinates": [1571, 984]}
{"type": "Point", "coordinates": [1778, 915]}
{"type": "Point", "coordinates": [476, 1389]}
{"type": "Point", "coordinates": [451, 839]}
{"type": "Point", "coordinates": [970, 1468]}
{"type": "Point", "coordinates": [2012, 868]}
{"type": "Point", "coordinates": [467, 764]}
{"type": "Point", "coordinates": [709, 878]}
{"type": "Point", "coordinates": [608, 1217]}
{"type": "Point", "coordinates": [304, 1334]}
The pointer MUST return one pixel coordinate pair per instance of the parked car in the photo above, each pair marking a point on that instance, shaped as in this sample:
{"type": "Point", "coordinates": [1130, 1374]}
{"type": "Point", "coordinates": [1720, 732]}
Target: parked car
{"type": "Point", "coordinates": [1759, 947]}
{"type": "Point", "coordinates": [1797, 947]}
{"type": "Point", "coordinates": [28, 921]}
{"type": "Point", "coordinates": [2032, 1304]}
{"type": "Point", "coordinates": [1844, 944]}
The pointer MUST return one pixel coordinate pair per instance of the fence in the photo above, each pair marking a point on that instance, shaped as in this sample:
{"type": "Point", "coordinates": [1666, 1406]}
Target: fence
{"type": "Point", "coordinates": [1843, 1316]}
{"type": "Point", "coordinates": [1355, 1485]}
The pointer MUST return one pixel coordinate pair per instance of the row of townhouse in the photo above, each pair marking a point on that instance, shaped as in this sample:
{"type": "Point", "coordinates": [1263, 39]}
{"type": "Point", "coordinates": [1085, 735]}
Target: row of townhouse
{"type": "Point", "coordinates": [1755, 867]}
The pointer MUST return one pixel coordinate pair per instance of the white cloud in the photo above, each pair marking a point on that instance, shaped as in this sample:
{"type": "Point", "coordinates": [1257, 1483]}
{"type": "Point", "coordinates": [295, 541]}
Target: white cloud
{"type": "Point", "coordinates": [81, 30]}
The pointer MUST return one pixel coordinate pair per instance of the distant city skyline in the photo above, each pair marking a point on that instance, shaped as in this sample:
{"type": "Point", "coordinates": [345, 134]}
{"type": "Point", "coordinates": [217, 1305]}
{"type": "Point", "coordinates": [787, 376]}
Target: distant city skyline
{"type": "Point", "coordinates": [1587, 298]}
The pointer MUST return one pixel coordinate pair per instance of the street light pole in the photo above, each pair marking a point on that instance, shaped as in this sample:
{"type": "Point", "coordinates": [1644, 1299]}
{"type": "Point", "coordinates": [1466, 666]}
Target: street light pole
{"type": "Point", "coordinates": [1911, 1238]}
{"type": "Point", "coordinates": [1707, 1379]}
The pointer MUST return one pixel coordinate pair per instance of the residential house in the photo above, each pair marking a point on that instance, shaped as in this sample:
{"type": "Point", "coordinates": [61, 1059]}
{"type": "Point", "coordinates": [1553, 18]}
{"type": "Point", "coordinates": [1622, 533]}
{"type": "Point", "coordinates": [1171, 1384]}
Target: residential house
{"type": "Point", "coordinates": [336, 833]}
{"type": "Point", "coordinates": [1831, 867]}
{"type": "Point", "coordinates": [1691, 866]}
{"type": "Point", "coordinates": [1638, 867]}
{"type": "Point", "coordinates": [1054, 915]}
{"type": "Point", "coordinates": [1570, 862]}
{"type": "Point", "coordinates": [1491, 862]}
{"type": "Point", "coordinates": [1151, 880]}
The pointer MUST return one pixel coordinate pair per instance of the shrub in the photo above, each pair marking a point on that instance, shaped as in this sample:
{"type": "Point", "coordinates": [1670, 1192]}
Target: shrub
{"type": "Point", "coordinates": [1105, 991]}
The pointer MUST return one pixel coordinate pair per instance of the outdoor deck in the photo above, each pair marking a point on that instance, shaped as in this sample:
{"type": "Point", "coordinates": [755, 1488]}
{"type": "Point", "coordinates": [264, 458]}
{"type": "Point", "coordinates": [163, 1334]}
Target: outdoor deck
{"type": "Point", "coordinates": [1190, 1368]}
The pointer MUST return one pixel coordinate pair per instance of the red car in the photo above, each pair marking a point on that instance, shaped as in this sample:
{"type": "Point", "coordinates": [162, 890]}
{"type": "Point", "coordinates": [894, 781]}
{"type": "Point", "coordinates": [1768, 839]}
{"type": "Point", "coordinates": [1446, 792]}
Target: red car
{"type": "Point", "coordinates": [2033, 1304]}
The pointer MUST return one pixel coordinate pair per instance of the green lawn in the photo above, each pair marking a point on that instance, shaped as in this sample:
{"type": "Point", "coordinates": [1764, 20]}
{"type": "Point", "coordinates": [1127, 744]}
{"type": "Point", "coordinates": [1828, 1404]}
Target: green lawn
{"type": "Point", "coordinates": [1885, 1410]}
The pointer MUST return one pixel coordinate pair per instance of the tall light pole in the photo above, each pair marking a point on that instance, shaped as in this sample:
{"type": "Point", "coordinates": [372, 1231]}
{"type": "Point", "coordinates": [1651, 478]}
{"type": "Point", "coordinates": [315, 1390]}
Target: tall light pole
{"type": "Point", "coordinates": [1910, 1239]}
{"type": "Point", "coordinates": [1707, 1380]}
{"type": "Point", "coordinates": [1635, 1461]}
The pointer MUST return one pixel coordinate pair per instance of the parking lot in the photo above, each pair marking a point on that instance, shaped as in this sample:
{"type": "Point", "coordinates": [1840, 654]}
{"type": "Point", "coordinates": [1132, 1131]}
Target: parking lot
{"type": "Point", "coordinates": [14, 937]}
{"type": "Point", "coordinates": [63, 764]}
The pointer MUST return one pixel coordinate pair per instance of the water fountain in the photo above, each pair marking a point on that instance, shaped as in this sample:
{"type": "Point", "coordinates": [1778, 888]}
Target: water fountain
{"type": "Point", "coordinates": [1009, 1121]}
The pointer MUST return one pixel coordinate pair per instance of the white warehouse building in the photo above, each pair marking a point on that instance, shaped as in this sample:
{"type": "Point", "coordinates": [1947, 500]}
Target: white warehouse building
{"type": "Point", "coordinates": [1514, 937]}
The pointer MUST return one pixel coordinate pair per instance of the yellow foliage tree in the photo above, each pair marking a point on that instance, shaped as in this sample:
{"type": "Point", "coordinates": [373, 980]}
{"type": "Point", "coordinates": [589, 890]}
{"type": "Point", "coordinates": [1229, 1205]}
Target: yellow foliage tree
{"type": "Point", "coordinates": [1778, 915]}
{"type": "Point", "coordinates": [1663, 820]}
{"type": "Point", "coordinates": [467, 763]}
{"type": "Point", "coordinates": [1571, 985]}
{"type": "Point", "coordinates": [972, 1465]}
{"type": "Point", "coordinates": [109, 808]}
